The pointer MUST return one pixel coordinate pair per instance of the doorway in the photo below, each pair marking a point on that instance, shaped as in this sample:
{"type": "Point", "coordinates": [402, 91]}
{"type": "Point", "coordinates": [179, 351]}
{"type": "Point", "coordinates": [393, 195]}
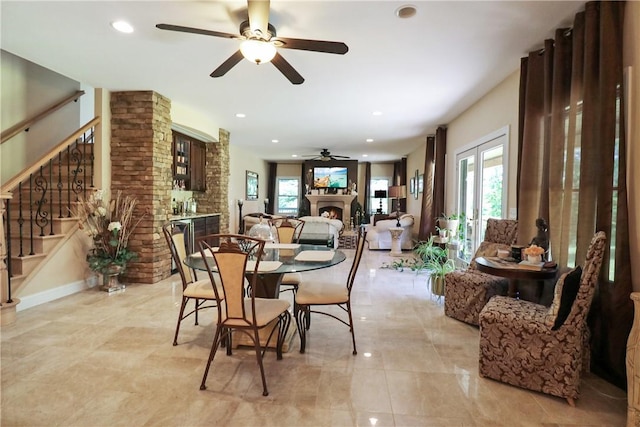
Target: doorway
{"type": "Point", "coordinates": [481, 182]}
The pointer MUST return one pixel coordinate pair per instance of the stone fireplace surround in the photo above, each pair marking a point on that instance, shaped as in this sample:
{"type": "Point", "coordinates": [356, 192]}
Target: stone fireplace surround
{"type": "Point", "coordinates": [342, 201]}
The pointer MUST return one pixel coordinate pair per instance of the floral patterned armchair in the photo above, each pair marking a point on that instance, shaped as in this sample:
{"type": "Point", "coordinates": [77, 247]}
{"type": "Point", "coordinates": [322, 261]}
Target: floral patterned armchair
{"type": "Point", "coordinates": [467, 291]}
{"type": "Point", "coordinates": [522, 343]}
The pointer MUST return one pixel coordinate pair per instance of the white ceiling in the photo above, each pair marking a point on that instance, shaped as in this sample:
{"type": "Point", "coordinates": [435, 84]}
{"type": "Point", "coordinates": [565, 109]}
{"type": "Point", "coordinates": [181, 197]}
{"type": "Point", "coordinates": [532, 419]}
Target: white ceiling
{"type": "Point", "coordinates": [419, 72]}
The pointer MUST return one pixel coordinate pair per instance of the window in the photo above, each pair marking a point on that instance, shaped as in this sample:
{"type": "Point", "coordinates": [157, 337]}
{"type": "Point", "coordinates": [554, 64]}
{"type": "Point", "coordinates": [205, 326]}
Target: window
{"type": "Point", "coordinates": [288, 190]}
{"type": "Point", "coordinates": [377, 203]}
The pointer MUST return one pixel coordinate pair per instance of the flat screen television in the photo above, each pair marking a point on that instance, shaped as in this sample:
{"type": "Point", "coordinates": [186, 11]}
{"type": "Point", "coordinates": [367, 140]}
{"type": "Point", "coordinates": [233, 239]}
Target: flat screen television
{"type": "Point", "coordinates": [330, 177]}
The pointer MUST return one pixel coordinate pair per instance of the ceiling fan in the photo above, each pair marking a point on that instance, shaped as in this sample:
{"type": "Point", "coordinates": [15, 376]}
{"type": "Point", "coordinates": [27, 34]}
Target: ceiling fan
{"type": "Point", "coordinates": [259, 42]}
{"type": "Point", "coordinates": [325, 156]}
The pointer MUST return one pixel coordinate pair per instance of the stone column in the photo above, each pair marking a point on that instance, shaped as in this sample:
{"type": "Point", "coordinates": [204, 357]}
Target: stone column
{"type": "Point", "coordinates": [216, 197]}
{"type": "Point", "coordinates": [141, 161]}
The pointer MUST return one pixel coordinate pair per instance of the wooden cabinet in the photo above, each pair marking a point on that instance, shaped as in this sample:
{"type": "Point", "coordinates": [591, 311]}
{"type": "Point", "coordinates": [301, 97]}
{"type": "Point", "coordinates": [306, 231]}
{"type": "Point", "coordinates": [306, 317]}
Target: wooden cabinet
{"type": "Point", "coordinates": [188, 162]}
{"type": "Point", "coordinates": [205, 225]}
{"type": "Point", "coordinates": [198, 152]}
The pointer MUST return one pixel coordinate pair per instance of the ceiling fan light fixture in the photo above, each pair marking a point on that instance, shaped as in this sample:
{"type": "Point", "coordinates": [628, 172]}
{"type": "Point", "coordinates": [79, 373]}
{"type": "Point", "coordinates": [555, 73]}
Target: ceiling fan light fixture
{"type": "Point", "coordinates": [257, 51]}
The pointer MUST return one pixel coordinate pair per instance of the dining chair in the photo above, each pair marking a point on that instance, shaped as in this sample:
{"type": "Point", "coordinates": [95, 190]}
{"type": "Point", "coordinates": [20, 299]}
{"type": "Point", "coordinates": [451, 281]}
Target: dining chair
{"type": "Point", "coordinates": [192, 289]}
{"type": "Point", "coordinates": [313, 295]}
{"type": "Point", "coordinates": [289, 231]}
{"type": "Point", "coordinates": [235, 256]}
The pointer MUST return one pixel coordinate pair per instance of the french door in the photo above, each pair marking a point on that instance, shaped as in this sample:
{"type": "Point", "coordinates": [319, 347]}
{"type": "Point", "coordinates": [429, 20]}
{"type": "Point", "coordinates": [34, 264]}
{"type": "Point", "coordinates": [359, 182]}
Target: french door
{"type": "Point", "coordinates": [481, 183]}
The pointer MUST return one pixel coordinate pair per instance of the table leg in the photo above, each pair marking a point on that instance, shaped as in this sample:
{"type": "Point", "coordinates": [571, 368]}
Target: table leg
{"type": "Point", "coordinates": [267, 285]}
{"type": "Point", "coordinates": [513, 288]}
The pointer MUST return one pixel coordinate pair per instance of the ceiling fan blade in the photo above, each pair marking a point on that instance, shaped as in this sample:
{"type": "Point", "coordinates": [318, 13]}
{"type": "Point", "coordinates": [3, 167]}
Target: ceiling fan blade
{"type": "Point", "coordinates": [285, 68]}
{"type": "Point", "coordinates": [258, 11]}
{"type": "Point", "coordinates": [314, 45]}
{"type": "Point", "coordinates": [196, 31]}
{"type": "Point", "coordinates": [227, 65]}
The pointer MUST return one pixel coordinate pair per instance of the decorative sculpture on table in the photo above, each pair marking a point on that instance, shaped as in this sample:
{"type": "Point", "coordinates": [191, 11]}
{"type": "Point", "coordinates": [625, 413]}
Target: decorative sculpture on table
{"type": "Point", "coordinates": [541, 239]}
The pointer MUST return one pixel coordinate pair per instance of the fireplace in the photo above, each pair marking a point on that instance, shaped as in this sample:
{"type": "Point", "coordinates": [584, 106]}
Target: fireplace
{"type": "Point", "coordinates": [335, 201]}
{"type": "Point", "coordinates": [334, 212]}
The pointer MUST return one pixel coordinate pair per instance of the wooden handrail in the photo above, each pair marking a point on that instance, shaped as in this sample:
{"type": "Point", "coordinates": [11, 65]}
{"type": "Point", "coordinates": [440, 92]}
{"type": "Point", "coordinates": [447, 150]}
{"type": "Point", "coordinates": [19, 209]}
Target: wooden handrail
{"type": "Point", "coordinates": [26, 124]}
{"type": "Point", "coordinates": [13, 182]}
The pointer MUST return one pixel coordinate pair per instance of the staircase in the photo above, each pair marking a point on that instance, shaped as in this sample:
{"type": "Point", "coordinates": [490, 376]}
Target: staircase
{"type": "Point", "coordinates": [40, 207]}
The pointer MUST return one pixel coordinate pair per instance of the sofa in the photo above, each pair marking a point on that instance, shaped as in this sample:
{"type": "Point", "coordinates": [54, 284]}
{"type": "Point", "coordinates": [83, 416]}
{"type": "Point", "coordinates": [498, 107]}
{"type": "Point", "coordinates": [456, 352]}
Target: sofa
{"type": "Point", "coordinates": [318, 230]}
{"type": "Point", "coordinates": [379, 236]}
{"type": "Point", "coordinates": [252, 219]}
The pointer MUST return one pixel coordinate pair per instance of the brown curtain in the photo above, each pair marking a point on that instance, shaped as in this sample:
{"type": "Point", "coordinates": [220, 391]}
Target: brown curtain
{"type": "Point", "coordinates": [572, 166]}
{"type": "Point", "coordinates": [271, 187]}
{"type": "Point", "coordinates": [367, 189]}
{"type": "Point", "coordinates": [439, 174]}
{"type": "Point", "coordinates": [427, 211]}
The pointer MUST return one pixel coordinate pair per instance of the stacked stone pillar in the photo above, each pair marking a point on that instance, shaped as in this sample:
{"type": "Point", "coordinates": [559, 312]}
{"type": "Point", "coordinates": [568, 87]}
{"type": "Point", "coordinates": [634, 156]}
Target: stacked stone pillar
{"type": "Point", "coordinates": [141, 161]}
{"type": "Point", "coordinates": [216, 196]}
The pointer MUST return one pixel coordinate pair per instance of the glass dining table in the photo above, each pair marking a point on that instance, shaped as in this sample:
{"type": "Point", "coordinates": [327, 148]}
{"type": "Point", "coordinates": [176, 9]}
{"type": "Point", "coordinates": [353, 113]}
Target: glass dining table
{"type": "Point", "coordinates": [279, 259]}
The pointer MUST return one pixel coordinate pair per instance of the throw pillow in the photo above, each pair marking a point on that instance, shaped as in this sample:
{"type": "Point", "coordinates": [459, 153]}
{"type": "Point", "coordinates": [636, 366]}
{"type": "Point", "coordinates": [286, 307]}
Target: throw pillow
{"type": "Point", "coordinates": [564, 295]}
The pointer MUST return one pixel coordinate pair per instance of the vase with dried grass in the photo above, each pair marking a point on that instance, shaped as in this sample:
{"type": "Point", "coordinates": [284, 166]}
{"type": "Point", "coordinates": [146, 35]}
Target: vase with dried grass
{"type": "Point", "coordinates": [110, 223]}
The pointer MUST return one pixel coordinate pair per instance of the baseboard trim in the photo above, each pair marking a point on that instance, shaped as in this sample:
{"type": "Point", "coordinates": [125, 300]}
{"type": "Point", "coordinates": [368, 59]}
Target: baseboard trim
{"type": "Point", "coordinates": [43, 297]}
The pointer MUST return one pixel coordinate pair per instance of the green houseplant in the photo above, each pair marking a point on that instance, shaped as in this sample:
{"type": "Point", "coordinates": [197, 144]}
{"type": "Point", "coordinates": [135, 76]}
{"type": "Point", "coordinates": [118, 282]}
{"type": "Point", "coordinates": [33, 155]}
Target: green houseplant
{"type": "Point", "coordinates": [434, 258]}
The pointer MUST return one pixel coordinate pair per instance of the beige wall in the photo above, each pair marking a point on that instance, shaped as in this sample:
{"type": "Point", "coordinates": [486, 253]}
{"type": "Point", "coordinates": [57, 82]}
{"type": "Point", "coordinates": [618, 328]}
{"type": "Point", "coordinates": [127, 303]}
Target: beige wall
{"type": "Point", "coordinates": [19, 101]}
{"type": "Point", "coordinates": [243, 160]}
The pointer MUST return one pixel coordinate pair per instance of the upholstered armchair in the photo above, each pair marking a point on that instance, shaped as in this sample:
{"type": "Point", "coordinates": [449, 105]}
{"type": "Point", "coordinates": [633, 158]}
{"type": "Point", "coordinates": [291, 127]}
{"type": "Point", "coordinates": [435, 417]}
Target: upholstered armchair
{"type": "Point", "coordinates": [467, 291]}
{"type": "Point", "coordinates": [543, 349]}
{"type": "Point", "coordinates": [379, 236]}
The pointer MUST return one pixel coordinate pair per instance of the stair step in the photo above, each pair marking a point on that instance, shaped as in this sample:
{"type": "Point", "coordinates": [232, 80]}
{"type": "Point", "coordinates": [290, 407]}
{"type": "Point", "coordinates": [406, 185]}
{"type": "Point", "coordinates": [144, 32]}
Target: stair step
{"type": "Point", "coordinates": [41, 244]}
{"type": "Point", "coordinates": [60, 226]}
{"type": "Point", "coordinates": [23, 265]}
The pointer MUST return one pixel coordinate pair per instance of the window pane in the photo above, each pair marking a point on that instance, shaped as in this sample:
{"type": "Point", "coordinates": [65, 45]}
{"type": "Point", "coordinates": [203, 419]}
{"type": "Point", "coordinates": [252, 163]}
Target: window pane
{"type": "Point", "coordinates": [288, 192]}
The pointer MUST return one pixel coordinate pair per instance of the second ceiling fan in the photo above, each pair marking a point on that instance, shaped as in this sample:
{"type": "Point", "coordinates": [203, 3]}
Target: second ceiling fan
{"type": "Point", "coordinates": [259, 42]}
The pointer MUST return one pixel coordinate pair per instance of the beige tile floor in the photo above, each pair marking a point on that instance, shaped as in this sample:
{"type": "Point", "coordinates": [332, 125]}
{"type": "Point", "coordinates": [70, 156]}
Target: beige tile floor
{"type": "Point", "coordinates": [93, 359]}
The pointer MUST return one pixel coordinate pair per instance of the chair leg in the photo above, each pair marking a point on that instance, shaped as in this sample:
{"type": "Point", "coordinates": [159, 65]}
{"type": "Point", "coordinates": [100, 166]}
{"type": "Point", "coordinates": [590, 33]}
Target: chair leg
{"type": "Point", "coordinates": [301, 318]}
{"type": "Point", "coordinates": [571, 402]}
{"type": "Point", "coordinates": [197, 307]}
{"type": "Point", "coordinates": [283, 323]}
{"type": "Point", "coordinates": [256, 344]}
{"type": "Point", "coordinates": [182, 306]}
{"type": "Point", "coordinates": [353, 334]}
{"type": "Point", "coordinates": [212, 354]}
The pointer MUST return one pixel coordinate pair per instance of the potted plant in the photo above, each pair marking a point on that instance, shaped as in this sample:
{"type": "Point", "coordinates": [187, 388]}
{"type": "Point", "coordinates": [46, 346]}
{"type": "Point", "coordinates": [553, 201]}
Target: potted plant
{"type": "Point", "coordinates": [434, 258]}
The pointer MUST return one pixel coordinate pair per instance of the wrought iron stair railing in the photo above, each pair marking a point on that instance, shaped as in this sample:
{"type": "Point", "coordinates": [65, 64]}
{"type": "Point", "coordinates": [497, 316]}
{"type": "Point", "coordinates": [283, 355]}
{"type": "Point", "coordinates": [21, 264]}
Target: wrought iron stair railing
{"type": "Point", "coordinates": [46, 191]}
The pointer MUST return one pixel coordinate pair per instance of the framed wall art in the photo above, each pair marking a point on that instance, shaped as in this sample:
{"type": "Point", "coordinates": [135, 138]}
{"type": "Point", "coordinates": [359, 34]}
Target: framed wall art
{"type": "Point", "coordinates": [252, 186]}
{"type": "Point", "coordinates": [420, 183]}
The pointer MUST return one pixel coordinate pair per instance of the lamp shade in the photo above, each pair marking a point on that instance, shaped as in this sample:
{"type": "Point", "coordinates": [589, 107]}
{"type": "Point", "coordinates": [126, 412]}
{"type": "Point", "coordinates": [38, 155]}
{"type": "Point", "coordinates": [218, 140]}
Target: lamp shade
{"type": "Point", "coordinates": [257, 51]}
{"type": "Point", "coordinates": [398, 191]}
{"type": "Point", "coordinates": [379, 194]}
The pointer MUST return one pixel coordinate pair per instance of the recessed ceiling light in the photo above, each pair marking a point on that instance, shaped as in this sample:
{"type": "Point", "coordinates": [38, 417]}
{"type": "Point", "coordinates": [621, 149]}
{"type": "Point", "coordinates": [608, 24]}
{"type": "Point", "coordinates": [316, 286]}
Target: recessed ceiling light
{"type": "Point", "coordinates": [241, 115]}
{"type": "Point", "coordinates": [294, 155]}
{"type": "Point", "coordinates": [377, 113]}
{"type": "Point", "coordinates": [369, 139]}
{"type": "Point", "coordinates": [122, 26]}
{"type": "Point", "coordinates": [365, 155]}
{"type": "Point", "coordinates": [275, 141]}
{"type": "Point", "coordinates": [406, 11]}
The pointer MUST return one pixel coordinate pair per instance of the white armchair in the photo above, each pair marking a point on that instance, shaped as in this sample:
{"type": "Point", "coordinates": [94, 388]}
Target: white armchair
{"type": "Point", "coordinates": [379, 236]}
{"type": "Point", "coordinates": [318, 229]}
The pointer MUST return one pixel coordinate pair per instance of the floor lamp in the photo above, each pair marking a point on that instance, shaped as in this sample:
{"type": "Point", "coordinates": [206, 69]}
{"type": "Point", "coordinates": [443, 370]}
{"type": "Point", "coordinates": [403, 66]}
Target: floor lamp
{"type": "Point", "coordinates": [398, 192]}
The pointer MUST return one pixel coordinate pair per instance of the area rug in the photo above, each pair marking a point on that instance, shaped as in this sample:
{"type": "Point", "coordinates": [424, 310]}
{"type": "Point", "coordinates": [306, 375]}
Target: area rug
{"type": "Point", "coordinates": [347, 241]}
